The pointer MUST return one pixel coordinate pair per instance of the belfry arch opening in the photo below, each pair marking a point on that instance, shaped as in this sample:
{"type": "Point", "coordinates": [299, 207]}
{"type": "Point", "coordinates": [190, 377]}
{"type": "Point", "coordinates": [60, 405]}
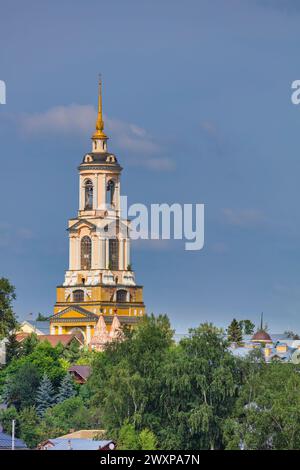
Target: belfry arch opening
{"type": "Point", "coordinates": [88, 195]}
{"type": "Point", "coordinates": [86, 253]}
{"type": "Point", "coordinates": [110, 193]}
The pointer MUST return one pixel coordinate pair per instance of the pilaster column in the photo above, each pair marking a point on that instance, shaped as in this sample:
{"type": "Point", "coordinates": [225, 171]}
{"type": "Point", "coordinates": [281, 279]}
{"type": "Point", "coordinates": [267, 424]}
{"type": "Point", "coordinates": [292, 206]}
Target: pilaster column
{"type": "Point", "coordinates": [95, 192]}
{"type": "Point", "coordinates": [80, 194]}
{"type": "Point", "coordinates": [102, 253]}
{"type": "Point", "coordinates": [106, 253]}
{"type": "Point", "coordinates": [117, 197]}
{"type": "Point", "coordinates": [88, 334]}
{"type": "Point", "coordinates": [60, 330]}
{"type": "Point", "coordinates": [101, 191]}
{"type": "Point", "coordinates": [77, 262]}
{"type": "Point", "coordinates": [121, 254]}
{"type": "Point", "coordinates": [72, 252]}
{"type": "Point", "coordinates": [95, 252]}
{"type": "Point", "coordinates": [127, 252]}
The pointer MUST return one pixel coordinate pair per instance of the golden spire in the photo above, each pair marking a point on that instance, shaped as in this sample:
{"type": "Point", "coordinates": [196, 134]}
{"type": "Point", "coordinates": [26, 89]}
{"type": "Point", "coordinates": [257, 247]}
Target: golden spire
{"type": "Point", "coordinates": [99, 134]}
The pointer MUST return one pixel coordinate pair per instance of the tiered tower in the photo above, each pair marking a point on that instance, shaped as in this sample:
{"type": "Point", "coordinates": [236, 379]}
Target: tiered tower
{"type": "Point", "coordinates": [100, 280]}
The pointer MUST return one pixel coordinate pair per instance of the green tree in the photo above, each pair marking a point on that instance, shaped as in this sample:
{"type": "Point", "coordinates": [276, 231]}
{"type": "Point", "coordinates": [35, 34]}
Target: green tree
{"type": "Point", "coordinates": [234, 332]}
{"type": "Point", "coordinates": [45, 396]}
{"type": "Point", "coordinates": [247, 327]}
{"type": "Point", "coordinates": [20, 387]}
{"type": "Point", "coordinates": [128, 437]}
{"type": "Point", "coordinates": [13, 348]}
{"type": "Point", "coordinates": [180, 393]}
{"type": "Point", "coordinates": [66, 389]}
{"type": "Point", "coordinates": [6, 417]}
{"type": "Point", "coordinates": [29, 344]}
{"type": "Point", "coordinates": [61, 418]}
{"type": "Point", "coordinates": [41, 317]}
{"type": "Point", "coordinates": [8, 321]}
{"type": "Point", "coordinates": [147, 440]}
{"type": "Point", "coordinates": [43, 359]}
{"type": "Point", "coordinates": [199, 386]}
{"type": "Point", "coordinates": [267, 411]}
{"type": "Point", "coordinates": [290, 334]}
{"type": "Point", "coordinates": [128, 375]}
{"type": "Point", "coordinates": [72, 352]}
{"type": "Point", "coordinates": [29, 427]}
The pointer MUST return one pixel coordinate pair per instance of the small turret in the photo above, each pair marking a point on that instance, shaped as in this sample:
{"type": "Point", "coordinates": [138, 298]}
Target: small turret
{"type": "Point", "coordinates": [101, 336]}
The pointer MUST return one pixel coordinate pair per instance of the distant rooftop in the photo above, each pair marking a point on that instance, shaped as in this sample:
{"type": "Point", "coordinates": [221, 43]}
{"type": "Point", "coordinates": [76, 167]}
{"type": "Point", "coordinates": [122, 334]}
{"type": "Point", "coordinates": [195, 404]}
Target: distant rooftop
{"type": "Point", "coordinates": [84, 434]}
{"type": "Point", "coordinates": [43, 326]}
{"type": "Point", "coordinates": [6, 442]}
{"type": "Point", "coordinates": [76, 444]}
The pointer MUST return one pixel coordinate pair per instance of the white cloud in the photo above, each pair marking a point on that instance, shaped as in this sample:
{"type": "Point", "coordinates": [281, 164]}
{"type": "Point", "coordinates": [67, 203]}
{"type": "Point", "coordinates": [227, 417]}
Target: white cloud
{"type": "Point", "coordinates": [59, 120]}
{"type": "Point", "coordinates": [131, 137]}
{"type": "Point", "coordinates": [80, 120]}
{"type": "Point", "coordinates": [243, 217]}
{"type": "Point", "coordinates": [156, 164]}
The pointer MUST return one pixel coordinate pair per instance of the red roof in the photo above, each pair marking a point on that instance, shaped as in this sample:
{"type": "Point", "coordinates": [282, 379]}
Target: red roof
{"type": "Point", "coordinates": [83, 371]}
{"type": "Point", "coordinates": [21, 336]}
{"type": "Point", "coordinates": [54, 340]}
{"type": "Point", "coordinates": [262, 336]}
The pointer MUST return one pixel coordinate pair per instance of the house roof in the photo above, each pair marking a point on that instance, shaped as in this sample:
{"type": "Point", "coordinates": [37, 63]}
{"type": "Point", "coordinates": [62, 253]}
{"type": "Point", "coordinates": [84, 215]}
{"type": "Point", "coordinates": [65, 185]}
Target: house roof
{"type": "Point", "coordinates": [77, 444]}
{"type": "Point", "coordinates": [240, 351]}
{"type": "Point", "coordinates": [283, 356]}
{"type": "Point", "coordinates": [6, 441]}
{"type": "Point", "coordinates": [54, 340]}
{"type": "Point", "coordinates": [21, 336]}
{"type": "Point", "coordinates": [84, 434]}
{"type": "Point", "coordinates": [83, 371]}
{"type": "Point", "coordinates": [42, 326]}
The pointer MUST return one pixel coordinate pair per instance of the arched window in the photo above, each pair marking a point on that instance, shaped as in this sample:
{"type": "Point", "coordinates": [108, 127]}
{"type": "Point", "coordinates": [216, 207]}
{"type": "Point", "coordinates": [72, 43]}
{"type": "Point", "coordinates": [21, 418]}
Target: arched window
{"type": "Point", "coordinates": [88, 195]}
{"type": "Point", "coordinates": [86, 253]}
{"type": "Point", "coordinates": [78, 295]}
{"type": "Point", "coordinates": [113, 254]}
{"type": "Point", "coordinates": [110, 192]}
{"type": "Point", "coordinates": [122, 295]}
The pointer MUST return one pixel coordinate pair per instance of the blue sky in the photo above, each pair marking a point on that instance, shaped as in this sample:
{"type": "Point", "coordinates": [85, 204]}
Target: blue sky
{"type": "Point", "coordinates": [198, 110]}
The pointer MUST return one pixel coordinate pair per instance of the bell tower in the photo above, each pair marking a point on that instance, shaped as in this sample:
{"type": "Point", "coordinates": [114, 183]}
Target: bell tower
{"type": "Point", "coordinates": [100, 280]}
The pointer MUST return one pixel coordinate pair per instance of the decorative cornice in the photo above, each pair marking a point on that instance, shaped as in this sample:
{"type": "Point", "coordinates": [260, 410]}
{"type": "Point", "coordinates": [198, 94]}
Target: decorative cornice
{"type": "Point", "coordinates": [101, 166]}
{"type": "Point", "coordinates": [124, 319]}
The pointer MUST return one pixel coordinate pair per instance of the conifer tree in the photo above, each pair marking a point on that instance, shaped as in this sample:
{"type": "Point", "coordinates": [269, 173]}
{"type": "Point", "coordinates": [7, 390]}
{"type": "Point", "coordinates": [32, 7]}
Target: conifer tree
{"type": "Point", "coordinates": [13, 348]}
{"type": "Point", "coordinates": [45, 396]}
{"type": "Point", "coordinates": [66, 389]}
{"type": "Point", "coordinates": [234, 331]}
